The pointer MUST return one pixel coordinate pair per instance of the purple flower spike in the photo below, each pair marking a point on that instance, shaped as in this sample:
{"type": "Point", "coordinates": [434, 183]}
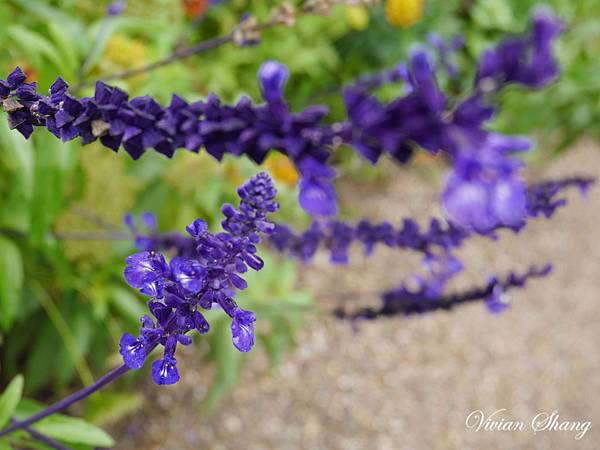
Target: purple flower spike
{"type": "Point", "coordinates": [210, 274]}
{"type": "Point", "coordinates": [528, 61]}
{"type": "Point", "coordinates": [242, 330]}
{"type": "Point", "coordinates": [420, 117]}
{"type": "Point", "coordinates": [403, 301]}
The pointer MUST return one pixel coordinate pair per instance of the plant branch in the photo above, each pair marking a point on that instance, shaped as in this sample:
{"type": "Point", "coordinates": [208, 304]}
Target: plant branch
{"type": "Point", "coordinates": [43, 438]}
{"type": "Point", "coordinates": [68, 401]}
{"type": "Point", "coordinates": [285, 15]}
{"type": "Point", "coordinates": [176, 56]}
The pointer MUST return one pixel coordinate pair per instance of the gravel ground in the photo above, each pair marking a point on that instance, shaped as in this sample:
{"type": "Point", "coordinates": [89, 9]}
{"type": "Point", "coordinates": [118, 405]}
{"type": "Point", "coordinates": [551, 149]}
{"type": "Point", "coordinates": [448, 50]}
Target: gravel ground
{"type": "Point", "coordinates": [410, 383]}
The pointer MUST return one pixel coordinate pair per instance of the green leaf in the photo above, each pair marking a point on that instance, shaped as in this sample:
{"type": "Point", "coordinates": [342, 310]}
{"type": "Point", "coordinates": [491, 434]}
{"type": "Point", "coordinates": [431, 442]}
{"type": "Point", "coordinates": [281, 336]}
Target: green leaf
{"type": "Point", "coordinates": [66, 44]}
{"type": "Point", "coordinates": [494, 14]}
{"type": "Point", "coordinates": [53, 165]}
{"type": "Point", "coordinates": [102, 34]}
{"type": "Point", "coordinates": [110, 407]}
{"type": "Point", "coordinates": [10, 399]}
{"type": "Point", "coordinates": [11, 281]}
{"type": "Point", "coordinates": [35, 45]}
{"type": "Point", "coordinates": [67, 429]}
{"type": "Point", "coordinates": [76, 431]}
{"type": "Point", "coordinates": [41, 361]}
{"type": "Point", "coordinates": [126, 303]}
{"type": "Point", "coordinates": [17, 156]}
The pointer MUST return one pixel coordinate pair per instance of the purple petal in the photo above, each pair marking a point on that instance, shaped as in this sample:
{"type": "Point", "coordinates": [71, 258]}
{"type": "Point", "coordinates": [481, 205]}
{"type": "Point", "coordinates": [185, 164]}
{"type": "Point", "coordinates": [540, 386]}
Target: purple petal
{"type": "Point", "coordinates": [242, 330]}
{"type": "Point", "coordinates": [164, 371]}
{"type": "Point", "coordinates": [133, 351]}
{"type": "Point", "coordinates": [273, 77]}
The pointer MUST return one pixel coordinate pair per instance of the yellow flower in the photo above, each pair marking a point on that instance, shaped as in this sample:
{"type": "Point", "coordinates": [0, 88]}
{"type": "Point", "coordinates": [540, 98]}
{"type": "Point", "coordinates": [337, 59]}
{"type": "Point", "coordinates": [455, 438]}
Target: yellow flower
{"type": "Point", "coordinates": [404, 13]}
{"type": "Point", "coordinates": [282, 169]}
{"type": "Point", "coordinates": [357, 16]}
{"type": "Point", "coordinates": [125, 52]}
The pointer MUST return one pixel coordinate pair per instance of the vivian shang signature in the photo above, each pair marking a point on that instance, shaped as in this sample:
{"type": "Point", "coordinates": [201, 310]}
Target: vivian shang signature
{"type": "Point", "coordinates": [478, 421]}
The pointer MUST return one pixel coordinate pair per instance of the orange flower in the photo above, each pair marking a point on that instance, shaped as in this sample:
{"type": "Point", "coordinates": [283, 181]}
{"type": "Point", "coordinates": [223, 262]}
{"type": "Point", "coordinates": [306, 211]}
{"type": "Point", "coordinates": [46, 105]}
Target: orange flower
{"type": "Point", "coordinates": [195, 8]}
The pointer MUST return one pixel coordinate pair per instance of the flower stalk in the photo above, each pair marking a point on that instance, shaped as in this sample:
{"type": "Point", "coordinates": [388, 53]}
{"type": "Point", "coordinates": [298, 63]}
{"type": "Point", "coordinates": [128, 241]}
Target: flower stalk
{"type": "Point", "coordinates": [68, 401]}
{"type": "Point", "coordinates": [41, 437]}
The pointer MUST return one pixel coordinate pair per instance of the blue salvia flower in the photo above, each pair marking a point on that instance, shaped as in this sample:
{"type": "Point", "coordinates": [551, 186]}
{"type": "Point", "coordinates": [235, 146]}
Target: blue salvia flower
{"type": "Point", "coordinates": [539, 199]}
{"type": "Point", "coordinates": [528, 61]}
{"type": "Point", "coordinates": [542, 198]}
{"type": "Point", "coordinates": [185, 286]}
{"type": "Point", "coordinates": [405, 301]}
{"type": "Point", "coordinates": [422, 117]}
{"type": "Point", "coordinates": [141, 123]}
{"type": "Point", "coordinates": [485, 188]}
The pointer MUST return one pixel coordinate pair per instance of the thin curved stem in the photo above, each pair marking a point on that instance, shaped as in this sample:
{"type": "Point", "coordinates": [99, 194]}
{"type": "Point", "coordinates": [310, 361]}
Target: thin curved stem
{"type": "Point", "coordinates": [212, 43]}
{"type": "Point", "coordinates": [176, 56]}
{"type": "Point", "coordinates": [43, 438]}
{"type": "Point", "coordinates": [68, 401]}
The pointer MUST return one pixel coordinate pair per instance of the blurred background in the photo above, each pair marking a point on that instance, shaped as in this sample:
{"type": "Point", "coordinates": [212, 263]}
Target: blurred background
{"type": "Point", "coordinates": [312, 382]}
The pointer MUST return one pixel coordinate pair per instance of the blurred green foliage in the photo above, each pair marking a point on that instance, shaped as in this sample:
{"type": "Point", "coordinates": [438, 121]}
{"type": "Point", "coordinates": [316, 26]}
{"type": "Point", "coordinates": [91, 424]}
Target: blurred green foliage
{"type": "Point", "coordinates": [63, 302]}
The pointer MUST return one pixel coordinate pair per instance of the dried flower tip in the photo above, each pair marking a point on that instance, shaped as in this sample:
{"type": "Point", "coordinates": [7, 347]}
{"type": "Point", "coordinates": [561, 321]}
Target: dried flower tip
{"type": "Point", "coordinates": [284, 14]}
{"type": "Point", "coordinates": [11, 104]}
{"type": "Point", "coordinates": [318, 6]}
{"type": "Point", "coordinates": [100, 127]}
{"type": "Point", "coordinates": [247, 32]}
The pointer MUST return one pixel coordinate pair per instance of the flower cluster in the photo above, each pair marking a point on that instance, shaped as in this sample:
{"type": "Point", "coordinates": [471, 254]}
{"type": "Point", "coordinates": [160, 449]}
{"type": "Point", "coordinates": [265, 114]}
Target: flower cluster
{"type": "Point", "coordinates": [338, 236]}
{"type": "Point", "coordinates": [180, 289]}
{"type": "Point", "coordinates": [421, 116]}
{"type": "Point", "coordinates": [529, 62]}
{"type": "Point", "coordinates": [541, 198]}
{"type": "Point", "coordinates": [406, 301]}
{"type": "Point", "coordinates": [141, 123]}
{"type": "Point", "coordinates": [485, 188]}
